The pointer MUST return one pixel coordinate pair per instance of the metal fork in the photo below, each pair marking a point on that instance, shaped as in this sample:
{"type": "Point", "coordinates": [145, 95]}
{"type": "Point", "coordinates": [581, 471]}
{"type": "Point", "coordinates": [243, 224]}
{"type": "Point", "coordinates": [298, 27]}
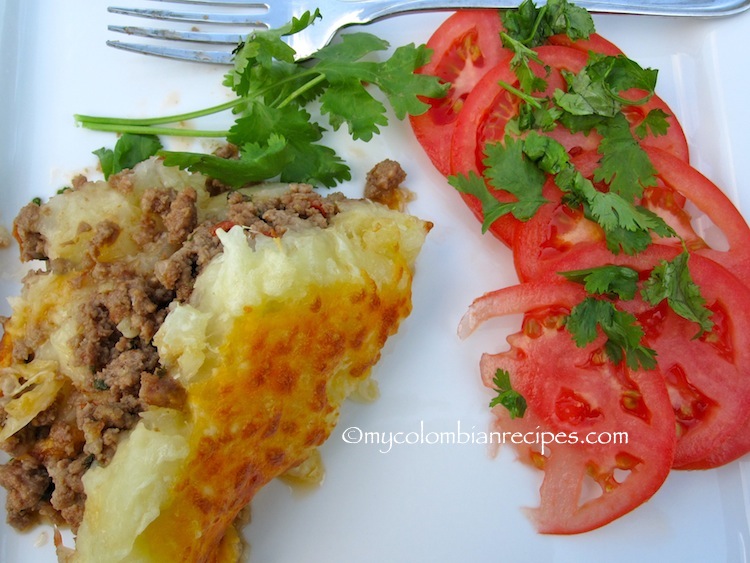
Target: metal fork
{"type": "Point", "coordinates": [337, 14]}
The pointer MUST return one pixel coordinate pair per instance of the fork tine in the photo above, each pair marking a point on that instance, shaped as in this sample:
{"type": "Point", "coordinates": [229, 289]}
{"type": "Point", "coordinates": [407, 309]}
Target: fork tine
{"type": "Point", "coordinates": [235, 3]}
{"type": "Point", "coordinates": [200, 56]}
{"type": "Point", "coordinates": [193, 36]}
{"type": "Point", "coordinates": [234, 19]}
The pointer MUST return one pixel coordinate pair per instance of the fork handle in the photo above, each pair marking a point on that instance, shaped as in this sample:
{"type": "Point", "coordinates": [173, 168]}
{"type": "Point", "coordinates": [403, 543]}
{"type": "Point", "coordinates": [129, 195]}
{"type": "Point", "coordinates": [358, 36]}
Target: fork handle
{"type": "Point", "coordinates": [371, 10]}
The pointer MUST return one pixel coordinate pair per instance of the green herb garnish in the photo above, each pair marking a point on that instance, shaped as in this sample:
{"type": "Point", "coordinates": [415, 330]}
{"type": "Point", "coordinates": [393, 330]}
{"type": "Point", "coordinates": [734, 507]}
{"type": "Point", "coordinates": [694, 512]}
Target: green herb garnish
{"type": "Point", "coordinates": [507, 396]}
{"type": "Point", "coordinates": [277, 137]}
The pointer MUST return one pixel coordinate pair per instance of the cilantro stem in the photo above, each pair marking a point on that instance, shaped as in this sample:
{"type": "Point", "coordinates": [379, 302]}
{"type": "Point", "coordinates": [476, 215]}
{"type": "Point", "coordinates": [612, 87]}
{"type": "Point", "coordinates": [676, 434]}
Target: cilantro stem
{"type": "Point", "coordinates": [306, 86]}
{"type": "Point", "coordinates": [531, 100]}
{"type": "Point", "coordinates": [537, 22]}
{"type": "Point", "coordinates": [149, 130]}
{"type": "Point", "coordinates": [87, 120]}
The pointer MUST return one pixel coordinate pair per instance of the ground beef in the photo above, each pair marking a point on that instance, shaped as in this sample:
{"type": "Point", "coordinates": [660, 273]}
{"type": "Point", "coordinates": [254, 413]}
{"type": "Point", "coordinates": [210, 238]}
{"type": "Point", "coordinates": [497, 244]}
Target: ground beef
{"type": "Point", "coordinates": [94, 347]}
{"type": "Point", "coordinates": [26, 230]}
{"type": "Point", "coordinates": [28, 486]}
{"type": "Point", "coordinates": [52, 453]}
{"type": "Point", "coordinates": [178, 272]}
{"type": "Point", "coordinates": [162, 391]}
{"type": "Point", "coordinates": [68, 496]}
{"type": "Point", "coordinates": [138, 300]}
{"type": "Point", "coordinates": [122, 182]}
{"type": "Point", "coordinates": [78, 181]}
{"type": "Point", "coordinates": [383, 184]}
{"type": "Point", "coordinates": [182, 217]}
{"type": "Point", "coordinates": [105, 234]}
{"type": "Point", "coordinates": [102, 418]}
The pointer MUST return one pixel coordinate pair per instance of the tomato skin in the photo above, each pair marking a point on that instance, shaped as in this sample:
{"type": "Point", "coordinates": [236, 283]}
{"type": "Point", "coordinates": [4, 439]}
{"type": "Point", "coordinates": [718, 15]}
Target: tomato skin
{"type": "Point", "coordinates": [571, 393]}
{"type": "Point", "coordinates": [464, 48]}
{"type": "Point", "coordinates": [595, 43]}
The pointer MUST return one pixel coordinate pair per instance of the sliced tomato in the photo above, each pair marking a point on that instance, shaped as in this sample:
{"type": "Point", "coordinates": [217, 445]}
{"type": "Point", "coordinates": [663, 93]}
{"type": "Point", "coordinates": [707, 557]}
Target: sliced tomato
{"type": "Point", "coordinates": [714, 203]}
{"type": "Point", "coordinates": [582, 407]}
{"type": "Point", "coordinates": [464, 48]}
{"type": "Point", "coordinates": [484, 117]}
{"type": "Point", "coordinates": [595, 43]}
{"type": "Point", "coordinates": [488, 109]}
{"type": "Point", "coordinates": [541, 243]}
{"type": "Point", "coordinates": [708, 377]}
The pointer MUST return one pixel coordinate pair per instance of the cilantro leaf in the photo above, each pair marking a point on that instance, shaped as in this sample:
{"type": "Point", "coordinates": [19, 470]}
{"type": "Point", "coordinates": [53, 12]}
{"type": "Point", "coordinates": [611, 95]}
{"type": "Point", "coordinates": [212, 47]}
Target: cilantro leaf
{"type": "Point", "coordinates": [349, 102]}
{"type": "Point", "coordinates": [260, 122]}
{"type": "Point", "coordinates": [596, 89]}
{"type": "Point", "coordinates": [347, 99]}
{"type": "Point", "coordinates": [626, 226]}
{"type": "Point", "coordinates": [624, 165]}
{"type": "Point", "coordinates": [507, 396]}
{"type": "Point", "coordinates": [397, 80]}
{"type": "Point", "coordinates": [263, 48]}
{"type": "Point", "coordinates": [619, 73]}
{"type": "Point", "coordinates": [671, 280]}
{"type": "Point", "coordinates": [353, 47]}
{"type": "Point", "coordinates": [492, 208]}
{"type": "Point", "coordinates": [627, 241]}
{"type": "Point", "coordinates": [130, 149]}
{"type": "Point", "coordinates": [548, 154]}
{"type": "Point", "coordinates": [509, 169]}
{"type": "Point", "coordinates": [655, 123]}
{"type": "Point", "coordinates": [619, 281]}
{"type": "Point", "coordinates": [533, 26]}
{"type": "Point", "coordinates": [255, 163]}
{"type": "Point", "coordinates": [585, 96]}
{"type": "Point", "coordinates": [565, 17]}
{"type": "Point", "coordinates": [623, 333]}
{"type": "Point", "coordinates": [315, 164]}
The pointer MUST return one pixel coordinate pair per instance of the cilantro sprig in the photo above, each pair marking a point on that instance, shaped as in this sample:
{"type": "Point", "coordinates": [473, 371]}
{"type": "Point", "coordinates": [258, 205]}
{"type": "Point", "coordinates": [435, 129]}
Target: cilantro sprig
{"type": "Point", "coordinates": [507, 396]}
{"type": "Point", "coordinates": [520, 167]}
{"type": "Point", "coordinates": [532, 25]}
{"type": "Point", "coordinates": [669, 281]}
{"type": "Point", "coordinates": [275, 130]}
{"type": "Point", "coordinates": [130, 149]}
{"type": "Point", "coordinates": [520, 163]}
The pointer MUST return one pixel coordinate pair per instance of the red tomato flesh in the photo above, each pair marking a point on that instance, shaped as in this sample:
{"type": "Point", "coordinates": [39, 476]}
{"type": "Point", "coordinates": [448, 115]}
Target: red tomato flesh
{"type": "Point", "coordinates": [464, 48]}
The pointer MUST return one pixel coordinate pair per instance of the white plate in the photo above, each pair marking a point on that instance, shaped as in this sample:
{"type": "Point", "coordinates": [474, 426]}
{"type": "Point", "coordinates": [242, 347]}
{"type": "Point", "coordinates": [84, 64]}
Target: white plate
{"type": "Point", "coordinates": [420, 502]}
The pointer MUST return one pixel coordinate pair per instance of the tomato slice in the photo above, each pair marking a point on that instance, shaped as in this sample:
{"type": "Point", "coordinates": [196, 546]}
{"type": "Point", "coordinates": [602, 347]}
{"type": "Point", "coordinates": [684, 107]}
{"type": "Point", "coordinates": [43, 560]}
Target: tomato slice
{"type": "Point", "coordinates": [708, 377]}
{"type": "Point", "coordinates": [464, 48]}
{"type": "Point", "coordinates": [541, 243]}
{"type": "Point", "coordinates": [582, 406]}
{"type": "Point", "coordinates": [714, 203]}
{"type": "Point", "coordinates": [489, 107]}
